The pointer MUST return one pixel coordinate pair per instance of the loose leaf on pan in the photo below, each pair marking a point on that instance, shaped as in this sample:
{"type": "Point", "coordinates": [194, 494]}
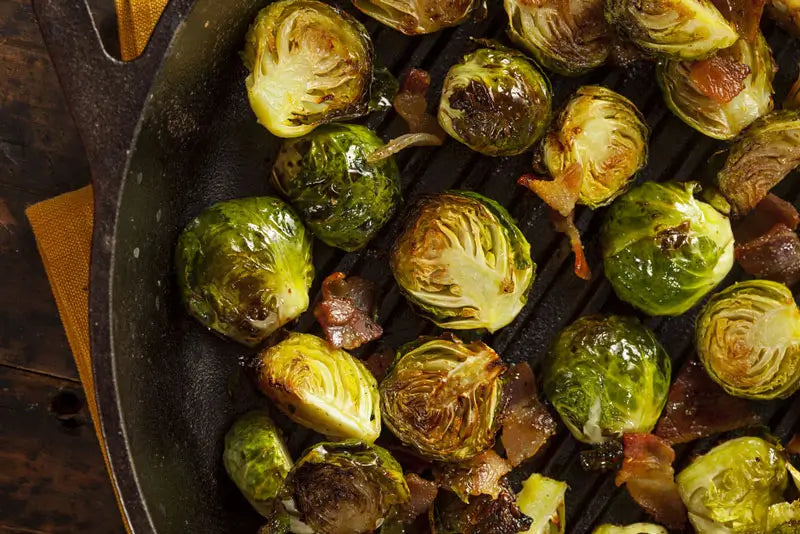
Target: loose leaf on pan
{"type": "Point", "coordinates": [347, 310]}
{"type": "Point", "coordinates": [481, 475]}
{"type": "Point", "coordinates": [720, 77]}
{"type": "Point", "coordinates": [772, 256]}
{"type": "Point", "coordinates": [697, 407]}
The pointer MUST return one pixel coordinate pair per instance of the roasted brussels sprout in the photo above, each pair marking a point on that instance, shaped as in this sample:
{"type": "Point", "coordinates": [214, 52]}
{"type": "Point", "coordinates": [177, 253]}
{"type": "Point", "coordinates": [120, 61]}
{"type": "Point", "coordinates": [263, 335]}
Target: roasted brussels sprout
{"type": "Point", "coordinates": [542, 499]}
{"type": "Point", "coordinates": [463, 261]}
{"type": "Point", "coordinates": [256, 459]}
{"type": "Point", "coordinates": [607, 376]}
{"type": "Point", "coordinates": [443, 398]}
{"type": "Point", "coordinates": [343, 199]}
{"type": "Point", "coordinates": [321, 387]}
{"type": "Point", "coordinates": [603, 133]}
{"type": "Point", "coordinates": [344, 488]}
{"type": "Point", "coordinates": [416, 17]}
{"type": "Point", "coordinates": [482, 515]}
{"type": "Point", "coordinates": [244, 268]}
{"type": "Point", "coordinates": [496, 101]}
{"type": "Point", "coordinates": [720, 97]}
{"type": "Point", "coordinates": [672, 29]}
{"type": "Point", "coordinates": [636, 528]}
{"type": "Point", "coordinates": [784, 518]}
{"type": "Point", "coordinates": [730, 488]}
{"type": "Point", "coordinates": [570, 38]}
{"type": "Point", "coordinates": [310, 63]}
{"type": "Point", "coordinates": [748, 338]}
{"type": "Point", "coordinates": [663, 249]}
{"type": "Point", "coordinates": [767, 151]}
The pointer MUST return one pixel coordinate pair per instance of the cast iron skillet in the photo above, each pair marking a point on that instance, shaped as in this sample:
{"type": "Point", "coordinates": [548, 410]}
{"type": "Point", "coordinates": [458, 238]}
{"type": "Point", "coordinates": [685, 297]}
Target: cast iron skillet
{"type": "Point", "coordinates": [172, 133]}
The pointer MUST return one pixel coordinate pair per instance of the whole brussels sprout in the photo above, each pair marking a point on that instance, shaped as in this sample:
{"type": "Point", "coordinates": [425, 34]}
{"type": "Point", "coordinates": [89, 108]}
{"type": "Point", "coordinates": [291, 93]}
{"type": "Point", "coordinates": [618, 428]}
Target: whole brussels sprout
{"type": "Point", "coordinates": [663, 249]}
{"type": "Point", "coordinates": [417, 17]}
{"type": "Point", "coordinates": [607, 376]}
{"type": "Point", "coordinates": [244, 268]}
{"type": "Point", "coordinates": [672, 29]}
{"type": "Point", "coordinates": [709, 116]}
{"type": "Point", "coordinates": [570, 38]}
{"type": "Point", "coordinates": [321, 387]}
{"type": "Point", "coordinates": [636, 528]}
{"type": "Point", "coordinates": [463, 261]}
{"type": "Point", "coordinates": [443, 397]}
{"type": "Point", "coordinates": [604, 133]}
{"type": "Point", "coordinates": [730, 488]}
{"type": "Point", "coordinates": [542, 499]}
{"type": "Point", "coordinates": [748, 338]}
{"type": "Point", "coordinates": [256, 459]}
{"type": "Point", "coordinates": [310, 63]}
{"type": "Point", "coordinates": [496, 101]}
{"type": "Point", "coordinates": [343, 488]}
{"type": "Point", "coordinates": [343, 199]}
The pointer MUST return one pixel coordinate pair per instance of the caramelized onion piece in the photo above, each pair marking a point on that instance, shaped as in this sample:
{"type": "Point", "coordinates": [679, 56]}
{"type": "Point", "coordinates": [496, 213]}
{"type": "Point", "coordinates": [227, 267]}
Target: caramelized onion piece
{"type": "Point", "coordinates": [347, 310]}
{"type": "Point", "coordinates": [745, 15]}
{"type": "Point", "coordinates": [481, 475]}
{"type": "Point", "coordinates": [719, 77]}
{"type": "Point", "coordinates": [697, 407]}
{"type": "Point", "coordinates": [650, 479]}
{"type": "Point", "coordinates": [772, 256]}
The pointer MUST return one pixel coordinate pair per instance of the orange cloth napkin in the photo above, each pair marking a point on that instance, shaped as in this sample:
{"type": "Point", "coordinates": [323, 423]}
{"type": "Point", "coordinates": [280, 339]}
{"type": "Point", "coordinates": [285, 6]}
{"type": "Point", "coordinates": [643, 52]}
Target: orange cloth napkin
{"type": "Point", "coordinates": [63, 225]}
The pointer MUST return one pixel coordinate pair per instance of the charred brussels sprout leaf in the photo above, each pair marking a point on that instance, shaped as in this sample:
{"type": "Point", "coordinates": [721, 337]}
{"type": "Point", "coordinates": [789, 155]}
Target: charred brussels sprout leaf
{"type": "Point", "coordinates": [256, 459]}
{"type": "Point", "coordinates": [663, 250]}
{"type": "Point", "coordinates": [542, 499]}
{"type": "Point", "coordinates": [416, 17]}
{"type": "Point", "coordinates": [244, 268]}
{"type": "Point", "coordinates": [636, 528]}
{"type": "Point", "coordinates": [672, 29]}
{"type": "Point", "coordinates": [496, 102]}
{"type": "Point", "coordinates": [766, 152]}
{"type": "Point", "coordinates": [344, 488]}
{"type": "Point", "coordinates": [463, 261]}
{"type": "Point", "coordinates": [607, 376]}
{"type": "Point", "coordinates": [343, 199]}
{"type": "Point", "coordinates": [748, 338]}
{"type": "Point", "coordinates": [443, 398]}
{"type": "Point", "coordinates": [606, 136]}
{"type": "Point", "coordinates": [482, 515]}
{"type": "Point", "coordinates": [731, 488]}
{"type": "Point", "coordinates": [310, 63]}
{"type": "Point", "coordinates": [717, 115]}
{"type": "Point", "coordinates": [321, 387]}
{"type": "Point", "coordinates": [570, 38]}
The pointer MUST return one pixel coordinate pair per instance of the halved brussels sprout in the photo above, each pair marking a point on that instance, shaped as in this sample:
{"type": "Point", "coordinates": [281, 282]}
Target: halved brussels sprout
{"type": "Point", "coordinates": [463, 261]}
{"type": "Point", "coordinates": [787, 13]}
{"type": "Point", "coordinates": [672, 29]}
{"type": "Point", "coordinates": [482, 515]}
{"type": "Point", "coordinates": [784, 518]}
{"type": "Point", "coordinates": [496, 101]}
{"type": "Point", "coordinates": [748, 338]}
{"type": "Point", "coordinates": [767, 151]}
{"type": "Point", "coordinates": [570, 38]}
{"type": "Point", "coordinates": [730, 488]}
{"type": "Point", "coordinates": [310, 63]}
{"type": "Point", "coordinates": [636, 528]}
{"type": "Point", "coordinates": [663, 249]}
{"type": "Point", "coordinates": [443, 398]}
{"type": "Point", "coordinates": [542, 499]}
{"type": "Point", "coordinates": [604, 133]}
{"type": "Point", "coordinates": [321, 387]}
{"type": "Point", "coordinates": [343, 488]}
{"type": "Point", "coordinates": [416, 17]}
{"type": "Point", "coordinates": [607, 376]}
{"type": "Point", "coordinates": [343, 199]}
{"type": "Point", "coordinates": [710, 116]}
{"type": "Point", "coordinates": [256, 459]}
{"type": "Point", "coordinates": [244, 268]}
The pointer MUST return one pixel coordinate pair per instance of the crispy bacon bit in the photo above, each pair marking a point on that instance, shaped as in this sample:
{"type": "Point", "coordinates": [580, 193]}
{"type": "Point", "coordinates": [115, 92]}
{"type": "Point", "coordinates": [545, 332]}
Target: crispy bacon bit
{"type": "Point", "coordinates": [346, 311]}
{"type": "Point", "coordinates": [650, 479]}
{"type": "Point", "coordinates": [745, 15]}
{"type": "Point", "coordinates": [773, 256]}
{"type": "Point", "coordinates": [697, 407]}
{"type": "Point", "coordinates": [527, 425]}
{"type": "Point", "coordinates": [423, 493]}
{"type": "Point", "coordinates": [769, 212]}
{"type": "Point", "coordinates": [482, 475]}
{"type": "Point", "coordinates": [794, 445]}
{"type": "Point", "coordinates": [378, 362]}
{"type": "Point", "coordinates": [719, 77]}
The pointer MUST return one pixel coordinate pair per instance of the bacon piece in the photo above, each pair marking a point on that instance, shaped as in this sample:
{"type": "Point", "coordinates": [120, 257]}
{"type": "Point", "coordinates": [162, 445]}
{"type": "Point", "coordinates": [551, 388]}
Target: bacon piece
{"type": "Point", "coordinates": [566, 225]}
{"type": "Point", "coordinates": [650, 479]}
{"type": "Point", "coordinates": [346, 311]}
{"type": "Point", "coordinates": [527, 425]}
{"type": "Point", "coordinates": [423, 493]}
{"type": "Point", "coordinates": [697, 407]}
{"type": "Point", "coordinates": [773, 256]}
{"type": "Point", "coordinates": [378, 362]}
{"type": "Point", "coordinates": [719, 77]}
{"type": "Point", "coordinates": [745, 15]}
{"type": "Point", "coordinates": [481, 475]}
{"type": "Point", "coordinates": [794, 445]}
{"type": "Point", "coordinates": [769, 212]}
{"type": "Point", "coordinates": [560, 193]}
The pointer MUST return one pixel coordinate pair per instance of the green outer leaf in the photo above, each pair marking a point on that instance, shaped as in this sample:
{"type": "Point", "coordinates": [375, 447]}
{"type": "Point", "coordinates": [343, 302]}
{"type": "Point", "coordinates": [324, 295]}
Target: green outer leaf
{"type": "Point", "coordinates": [664, 250]}
{"type": "Point", "coordinates": [244, 267]}
{"type": "Point", "coordinates": [542, 499]}
{"type": "Point", "coordinates": [256, 459]}
{"type": "Point", "coordinates": [636, 528]}
{"type": "Point", "coordinates": [343, 199]}
{"type": "Point", "coordinates": [748, 338]}
{"type": "Point", "coordinates": [607, 376]}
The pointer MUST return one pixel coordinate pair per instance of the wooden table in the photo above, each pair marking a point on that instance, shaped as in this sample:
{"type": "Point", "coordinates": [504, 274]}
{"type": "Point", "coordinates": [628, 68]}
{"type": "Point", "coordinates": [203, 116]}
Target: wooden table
{"type": "Point", "coordinates": [52, 475]}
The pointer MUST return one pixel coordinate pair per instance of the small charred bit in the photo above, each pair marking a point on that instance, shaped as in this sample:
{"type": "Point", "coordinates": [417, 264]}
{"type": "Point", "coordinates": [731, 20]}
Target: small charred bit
{"type": "Point", "coordinates": [347, 311]}
{"type": "Point", "coordinates": [481, 475]}
{"type": "Point", "coordinates": [720, 77]}
{"type": "Point", "coordinates": [774, 255]}
{"type": "Point", "coordinates": [418, 17]}
{"type": "Point", "coordinates": [745, 15]}
{"type": "Point", "coordinates": [606, 456]}
{"type": "Point", "coordinates": [482, 515]}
